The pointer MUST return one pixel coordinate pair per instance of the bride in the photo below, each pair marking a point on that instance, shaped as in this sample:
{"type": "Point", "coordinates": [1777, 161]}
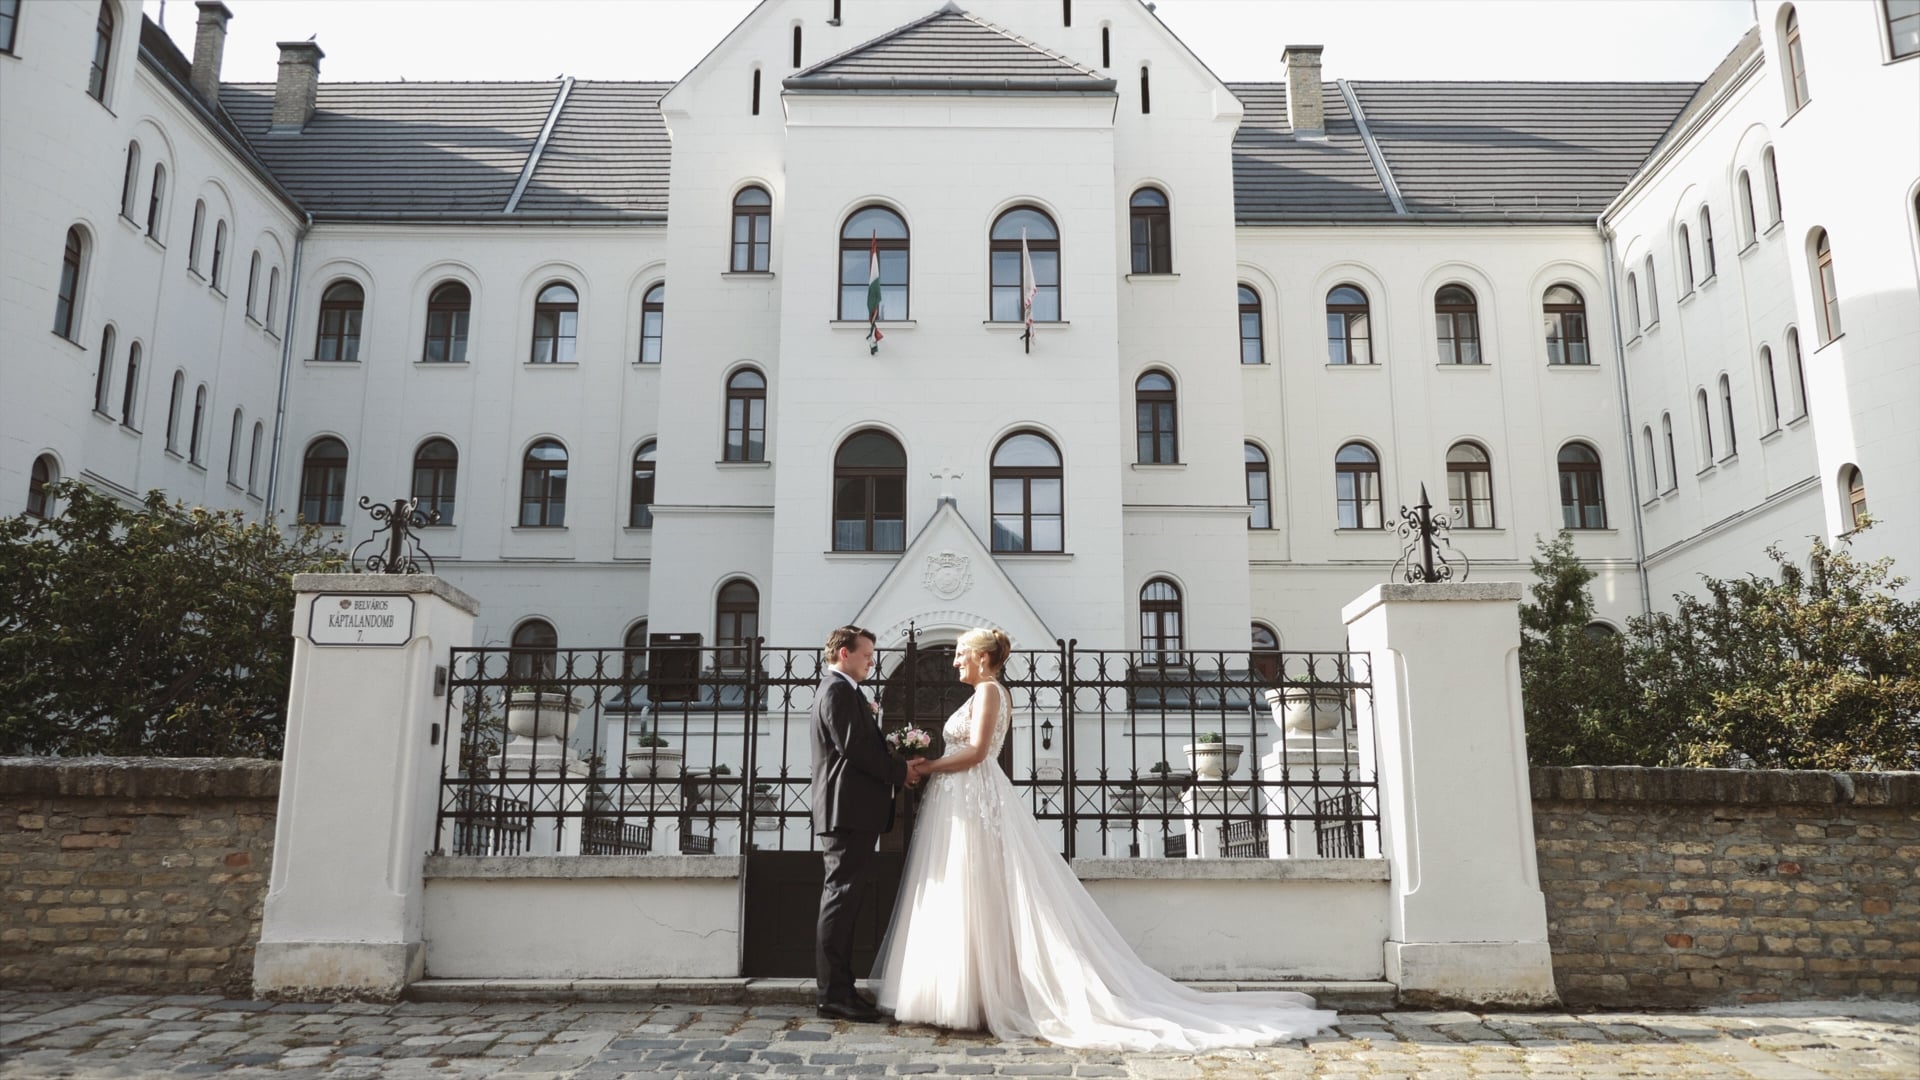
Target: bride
{"type": "Point", "coordinates": [992, 929]}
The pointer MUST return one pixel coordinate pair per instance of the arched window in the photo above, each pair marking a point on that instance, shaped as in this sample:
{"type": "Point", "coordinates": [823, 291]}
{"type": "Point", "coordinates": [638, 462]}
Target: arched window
{"type": "Point", "coordinates": [1265, 656]}
{"type": "Point", "coordinates": [1028, 505]}
{"type": "Point", "coordinates": [1252, 339]}
{"type": "Point", "coordinates": [1726, 416]}
{"type": "Point", "coordinates": [1356, 483]}
{"type": "Point", "coordinates": [736, 624]}
{"type": "Point", "coordinates": [103, 373]}
{"type": "Point", "coordinates": [1856, 497]}
{"type": "Point", "coordinates": [874, 232]}
{"type": "Point", "coordinates": [746, 416]}
{"type": "Point", "coordinates": [1799, 382]}
{"type": "Point", "coordinates": [102, 53]}
{"type": "Point", "coordinates": [436, 475]}
{"type": "Point", "coordinates": [1009, 285]}
{"type": "Point", "coordinates": [1581, 504]}
{"type": "Point", "coordinates": [1706, 428]}
{"type": "Point", "coordinates": [1633, 304]}
{"type": "Point", "coordinates": [253, 457]}
{"type": "Point", "coordinates": [1259, 489]}
{"type": "Point", "coordinates": [870, 494]}
{"type": "Point", "coordinates": [535, 650]}
{"type": "Point", "coordinates": [39, 496]}
{"type": "Point", "coordinates": [174, 401]}
{"type": "Point", "coordinates": [1673, 462]}
{"type": "Point", "coordinates": [273, 296]}
{"type": "Point", "coordinates": [752, 230]}
{"type": "Point", "coordinates": [543, 485]}
{"type": "Point", "coordinates": [1348, 335]}
{"type": "Point", "coordinates": [634, 652]}
{"type": "Point", "coordinates": [1653, 296]}
{"type": "Point", "coordinates": [653, 320]}
{"type": "Point", "coordinates": [640, 494]}
{"type": "Point", "coordinates": [1456, 316]}
{"type": "Point", "coordinates": [253, 283]}
{"type": "Point", "coordinates": [1160, 623]}
{"type": "Point", "coordinates": [556, 324]}
{"type": "Point", "coordinates": [1770, 388]}
{"type": "Point", "coordinates": [1772, 173]}
{"type": "Point", "coordinates": [1829, 298]}
{"type": "Point", "coordinates": [323, 482]}
{"type": "Point", "coordinates": [130, 393]}
{"type": "Point", "coordinates": [233, 449]}
{"type": "Point", "coordinates": [1155, 421]}
{"type": "Point", "coordinates": [449, 308]}
{"type": "Point", "coordinates": [154, 198]}
{"type": "Point", "coordinates": [1749, 220]}
{"type": "Point", "coordinates": [1566, 320]}
{"type": "Point", "coordinates": [1151, 221]}
{"type": "Point", "coordinates": [1653, 461]}
{"type": "Point", "coordinates": [1797, 93]}
{"type": "Point", "coordinates": [341, 308]}
{"type": "Point", "coordinates": [215, 271]}
{"type": "Point", "coordinates": [193, 241]}
{"type": "Point", "coordinates": [1686, 260]}
{"type": "Point", "coordinates": [66, 304]}
{"type": "Point", "coordinates": [1470, 486]}
{"type": "Point", "coordinates": [196, 437]}
{"type": "Point", "coordinates": [1708, 261]}
{"type": "Point", "coordinates": [130, 181]}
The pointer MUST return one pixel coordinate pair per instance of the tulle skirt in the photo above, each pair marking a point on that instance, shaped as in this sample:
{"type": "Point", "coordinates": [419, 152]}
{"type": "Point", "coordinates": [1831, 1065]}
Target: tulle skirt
{"type": "Point", "coordinates": [992, 930]}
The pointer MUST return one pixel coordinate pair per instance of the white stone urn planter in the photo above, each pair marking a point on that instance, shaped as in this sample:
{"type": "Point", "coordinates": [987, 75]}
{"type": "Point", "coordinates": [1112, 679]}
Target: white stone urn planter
{"type": "Point", "coordinates": [540, 714]}
{"type": "Point", "coordinates": [714, 790]}
{"type": "Point", "coordinates": [1214, 761]}
{"type": "Point", "coordinates": [659, 762]}
{"type": "Point", "coordinates": [1127, 800]}
{"type": "Point", "coordinates": [1307, 710]}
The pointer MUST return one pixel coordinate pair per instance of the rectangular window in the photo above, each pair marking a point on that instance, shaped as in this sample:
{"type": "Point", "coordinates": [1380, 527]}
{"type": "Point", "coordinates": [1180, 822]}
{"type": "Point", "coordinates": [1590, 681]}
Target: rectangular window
{"type": "Point", "coordinates": [9, 18]}
{"type": "Point", "coordinates": [1903, 27]}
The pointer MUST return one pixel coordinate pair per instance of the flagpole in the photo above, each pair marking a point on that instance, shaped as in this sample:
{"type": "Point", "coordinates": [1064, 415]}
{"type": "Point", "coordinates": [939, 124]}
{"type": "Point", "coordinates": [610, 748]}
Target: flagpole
{"type": "Point", "coordinates": [1028, 289]}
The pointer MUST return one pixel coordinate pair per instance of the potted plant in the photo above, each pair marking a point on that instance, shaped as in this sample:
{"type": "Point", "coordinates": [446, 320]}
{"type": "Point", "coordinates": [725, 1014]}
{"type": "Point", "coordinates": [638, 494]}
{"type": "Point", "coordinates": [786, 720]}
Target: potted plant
{"type": "Point", "coordinates": [537, 713]}
{"type": "Point", "coordinates": [651, 756]}
{"type": "Point", "coordinates": [710, 791]}
{"type": "Point", "coordinates": [1308, 705]}
{"type": "Point", "coordinates": [1212, 757]}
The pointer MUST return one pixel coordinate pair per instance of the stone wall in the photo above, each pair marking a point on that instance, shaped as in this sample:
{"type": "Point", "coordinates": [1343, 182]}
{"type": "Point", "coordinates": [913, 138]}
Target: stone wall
{"type": "Point", "coordinates": [1697, 886]}
{"type": "Point", "coordinates": [133, 873]}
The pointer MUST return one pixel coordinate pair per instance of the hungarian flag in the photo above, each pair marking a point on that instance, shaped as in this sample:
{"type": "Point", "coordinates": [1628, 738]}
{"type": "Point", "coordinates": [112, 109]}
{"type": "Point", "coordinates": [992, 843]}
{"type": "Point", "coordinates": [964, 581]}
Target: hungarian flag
{"type": "Point", "coordinates": [873, 295]}
{"type": "Point", "coordinates": [1026, 298]}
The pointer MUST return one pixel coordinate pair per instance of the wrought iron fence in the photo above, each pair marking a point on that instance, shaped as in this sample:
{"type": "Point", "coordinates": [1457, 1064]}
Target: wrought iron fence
{"type": "Point", "coordinates": [1250, 754]}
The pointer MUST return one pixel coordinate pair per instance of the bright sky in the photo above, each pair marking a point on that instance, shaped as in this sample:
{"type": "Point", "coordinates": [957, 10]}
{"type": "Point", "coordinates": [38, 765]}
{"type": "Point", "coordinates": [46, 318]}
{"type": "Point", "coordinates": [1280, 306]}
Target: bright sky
{"type": "Point", "coordinates": [375, 40]}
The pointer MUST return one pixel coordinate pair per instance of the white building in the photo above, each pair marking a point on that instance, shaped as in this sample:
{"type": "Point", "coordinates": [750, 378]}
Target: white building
{"type": "Point", "coordinates": [459, 291]}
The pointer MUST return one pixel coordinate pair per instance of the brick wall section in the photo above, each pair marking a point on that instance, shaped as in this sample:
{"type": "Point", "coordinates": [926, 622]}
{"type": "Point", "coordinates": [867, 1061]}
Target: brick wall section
{"type": "Point", "coordinates": [133, 873]}
{"type": "Point", "coordinates": [1702, 886]}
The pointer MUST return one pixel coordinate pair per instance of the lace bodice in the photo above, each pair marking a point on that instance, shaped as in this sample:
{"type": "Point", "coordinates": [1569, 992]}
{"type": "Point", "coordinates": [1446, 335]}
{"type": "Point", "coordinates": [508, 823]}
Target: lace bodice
{"type": "Point", "coordinates": [958, 731]}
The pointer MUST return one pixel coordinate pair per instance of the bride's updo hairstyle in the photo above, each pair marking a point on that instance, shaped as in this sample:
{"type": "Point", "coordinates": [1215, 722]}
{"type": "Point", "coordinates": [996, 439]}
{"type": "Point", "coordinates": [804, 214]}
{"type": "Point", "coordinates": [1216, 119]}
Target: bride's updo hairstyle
{"type": "Point", "coordinates": [992, 645]}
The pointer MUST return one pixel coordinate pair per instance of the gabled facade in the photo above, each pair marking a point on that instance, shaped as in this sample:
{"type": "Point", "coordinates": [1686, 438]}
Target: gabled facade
{"type": "Point", "coordinates": [618, 333]}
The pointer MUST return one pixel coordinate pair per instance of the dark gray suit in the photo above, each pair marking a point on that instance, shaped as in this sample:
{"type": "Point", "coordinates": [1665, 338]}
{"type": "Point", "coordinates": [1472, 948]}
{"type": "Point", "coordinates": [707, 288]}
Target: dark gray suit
{"type": "Point", "coordinates": [853, 781]}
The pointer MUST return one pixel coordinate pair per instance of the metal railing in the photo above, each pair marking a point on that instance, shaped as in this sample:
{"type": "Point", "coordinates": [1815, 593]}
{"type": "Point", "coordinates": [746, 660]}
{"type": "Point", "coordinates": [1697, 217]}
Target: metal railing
{"type": "Point", "coordinates": [1245, 754]}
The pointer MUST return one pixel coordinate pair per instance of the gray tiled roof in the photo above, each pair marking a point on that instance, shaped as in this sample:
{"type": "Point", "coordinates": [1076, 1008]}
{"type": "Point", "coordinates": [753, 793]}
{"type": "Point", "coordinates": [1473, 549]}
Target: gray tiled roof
{"type": "Point", "coordinates": [1742, 51]}
{"type": "Point", "coordinates": [400, 148]}
{"type": "Point", "coordinates": [949, 50]}
{"type": "Point", "coordinates": [1517, 147]}
{"type": "Point", "coordinates": [608, 152]}
{"type": "Point", "coordinates": [1277, 174]}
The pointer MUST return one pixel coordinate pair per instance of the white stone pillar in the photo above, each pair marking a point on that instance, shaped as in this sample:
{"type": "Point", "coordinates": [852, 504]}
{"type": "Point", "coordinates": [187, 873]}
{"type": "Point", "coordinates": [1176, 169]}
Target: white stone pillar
{"type": "Point", "coordinates": [1467, 922]}
{"type": "Point", "coordinates": [367, 728]}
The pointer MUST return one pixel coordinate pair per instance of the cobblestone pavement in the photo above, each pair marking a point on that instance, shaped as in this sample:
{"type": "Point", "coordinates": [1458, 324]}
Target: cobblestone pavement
{"type": "Point", "coordinates": [78, 1035]}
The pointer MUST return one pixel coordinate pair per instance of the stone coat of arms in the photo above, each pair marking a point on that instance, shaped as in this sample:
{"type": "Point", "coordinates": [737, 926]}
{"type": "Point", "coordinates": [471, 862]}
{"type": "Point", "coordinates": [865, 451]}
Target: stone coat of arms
{"type": "Point", "coordinates": [948, 575]}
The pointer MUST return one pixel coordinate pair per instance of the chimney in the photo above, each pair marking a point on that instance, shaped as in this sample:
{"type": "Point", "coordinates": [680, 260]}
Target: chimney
{"type": "Point", "coordinates": [299, 83]}
{"type": "Point", "coordinates": [209, 44]}
{"type": "Point", "coordinates": [1306, 112]}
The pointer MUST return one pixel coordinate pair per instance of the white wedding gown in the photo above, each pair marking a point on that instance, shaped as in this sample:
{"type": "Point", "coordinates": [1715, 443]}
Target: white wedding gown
{"type": "Point", "coordinates": [993, 930]}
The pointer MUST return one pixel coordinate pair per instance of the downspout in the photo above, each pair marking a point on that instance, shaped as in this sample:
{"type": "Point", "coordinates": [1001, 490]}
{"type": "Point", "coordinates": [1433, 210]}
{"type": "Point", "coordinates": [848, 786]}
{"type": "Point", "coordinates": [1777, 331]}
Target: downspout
{"type": "Point", "coordinates": [286, 368]}
{"type": "Point", "coordinates": [1626, 416]}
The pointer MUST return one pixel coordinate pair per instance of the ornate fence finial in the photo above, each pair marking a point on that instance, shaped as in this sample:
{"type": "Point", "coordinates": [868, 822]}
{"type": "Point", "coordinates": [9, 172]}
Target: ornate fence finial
{"type": "Point", "coordinates": [1425, 550]}
{"type": "Point", "coordinates": [403, 553]}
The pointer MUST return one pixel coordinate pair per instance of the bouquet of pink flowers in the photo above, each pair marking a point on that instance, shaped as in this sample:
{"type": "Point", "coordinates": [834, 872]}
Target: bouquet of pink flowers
{"type": "Point", "coordinates": [910, 742]}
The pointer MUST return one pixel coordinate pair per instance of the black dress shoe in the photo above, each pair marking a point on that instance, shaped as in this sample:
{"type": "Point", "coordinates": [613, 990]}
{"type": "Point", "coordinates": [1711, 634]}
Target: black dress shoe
{"type": "Point", "coordinates": [865, 1000]}
{"type": "Point", "coordinates": [857, 1011]}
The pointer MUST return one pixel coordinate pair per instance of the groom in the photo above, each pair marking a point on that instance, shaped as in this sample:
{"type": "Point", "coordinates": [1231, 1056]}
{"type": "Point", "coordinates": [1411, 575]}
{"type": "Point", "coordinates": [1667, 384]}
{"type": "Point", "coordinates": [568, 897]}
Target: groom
{"type": "Point", "coordinates": [853, 781]}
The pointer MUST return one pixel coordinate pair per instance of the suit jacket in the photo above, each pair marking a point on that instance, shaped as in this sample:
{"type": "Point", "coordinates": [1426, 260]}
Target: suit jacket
{"type": "Point", "coordinates": [853, 774]}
